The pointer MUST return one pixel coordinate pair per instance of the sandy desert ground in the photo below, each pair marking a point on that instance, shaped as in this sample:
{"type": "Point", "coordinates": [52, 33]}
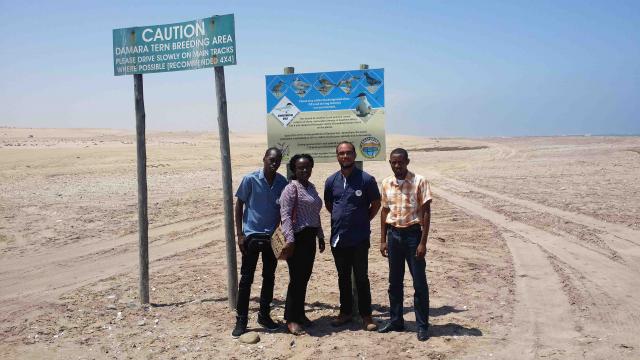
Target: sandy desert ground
{"type": "Point", "coordinates": [534, 251]}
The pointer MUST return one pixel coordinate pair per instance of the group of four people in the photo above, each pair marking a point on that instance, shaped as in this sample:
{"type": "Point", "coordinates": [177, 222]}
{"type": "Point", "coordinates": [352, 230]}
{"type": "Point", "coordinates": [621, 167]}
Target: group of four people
{"type": "Point", "coordinates": [265, 200]}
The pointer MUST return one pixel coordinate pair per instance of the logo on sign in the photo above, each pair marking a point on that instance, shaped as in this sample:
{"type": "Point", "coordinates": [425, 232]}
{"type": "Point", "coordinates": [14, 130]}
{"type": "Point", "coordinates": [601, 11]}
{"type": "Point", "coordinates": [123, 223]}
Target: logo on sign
{"type": "Point", "coordinates": [285, 111]}
{"type": "Point", "coordinates": [370, 147]}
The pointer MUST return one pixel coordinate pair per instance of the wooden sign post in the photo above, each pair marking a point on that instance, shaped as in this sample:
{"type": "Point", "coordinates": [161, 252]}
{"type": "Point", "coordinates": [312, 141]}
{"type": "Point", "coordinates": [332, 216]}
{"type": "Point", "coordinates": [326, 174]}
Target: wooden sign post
{"type": "Point", "coordinates": [143, 221]}
{"type": "Point", "coordinates": [354, 290]}
{"type": "Point", "coordinates": [163, 48]}
{"type": "Point", "coordinates": [288, 71]}
{"type": "Point", "coordinates": [227, 191]}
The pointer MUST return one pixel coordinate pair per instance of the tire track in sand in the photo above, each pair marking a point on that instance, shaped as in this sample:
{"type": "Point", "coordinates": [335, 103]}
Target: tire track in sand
{"type": "Point", "coordinates": [25, 292]}
{"type": "Point", "coordinates": [614, 311]}
{"type": "Point", "coordinates": [545, 326]}
{"type": "Point", "coordinates": [65, 254]}
{"type": "Point", "coordinates": [624, 241]}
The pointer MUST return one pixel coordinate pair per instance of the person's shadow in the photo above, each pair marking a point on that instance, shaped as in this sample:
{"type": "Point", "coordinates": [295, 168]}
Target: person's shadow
{"type": "Point", "coordinates": [322, 326]}
{"type": "Point", "coordinates": [181, 303]}
{"type": "Point", "coordinates": [435, 330]}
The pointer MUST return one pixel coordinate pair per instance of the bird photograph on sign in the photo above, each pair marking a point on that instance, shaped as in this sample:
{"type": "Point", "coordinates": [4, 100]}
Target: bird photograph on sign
{"type": "Point", "coordinates": [346, 84]}
{"type": "Point", "coordinates": [276, 89]}
{"type": "Point", "coordinates": [363, 108]}
{"type": "Point", "coordinates": [372, 82]}
{"type": "Point", "coordinates": [324, 85]}
{"type": "Point", "coordinates": [301, 87]}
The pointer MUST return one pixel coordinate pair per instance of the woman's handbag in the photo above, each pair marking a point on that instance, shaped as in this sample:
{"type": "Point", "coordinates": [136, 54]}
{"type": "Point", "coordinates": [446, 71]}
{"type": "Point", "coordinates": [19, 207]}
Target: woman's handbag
{"type": "Point", "coordinates": [278, 241]}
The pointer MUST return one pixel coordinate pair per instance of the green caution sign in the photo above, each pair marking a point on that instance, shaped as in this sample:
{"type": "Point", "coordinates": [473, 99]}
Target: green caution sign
{"type": "Point", "coordinates": [188, 45]}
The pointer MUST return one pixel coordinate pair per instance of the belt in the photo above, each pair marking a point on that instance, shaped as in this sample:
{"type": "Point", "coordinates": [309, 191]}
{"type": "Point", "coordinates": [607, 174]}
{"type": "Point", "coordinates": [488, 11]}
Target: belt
{"type": "Point", "coordinates": [408, 228]}
{"type": "Point", "coordinates": [259, 236]}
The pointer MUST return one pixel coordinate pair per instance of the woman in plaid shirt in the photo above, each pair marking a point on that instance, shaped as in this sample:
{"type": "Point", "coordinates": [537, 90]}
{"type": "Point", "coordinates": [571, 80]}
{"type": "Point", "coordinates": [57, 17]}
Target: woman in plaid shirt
{"type": "Point", "coordinates": [300, 207]}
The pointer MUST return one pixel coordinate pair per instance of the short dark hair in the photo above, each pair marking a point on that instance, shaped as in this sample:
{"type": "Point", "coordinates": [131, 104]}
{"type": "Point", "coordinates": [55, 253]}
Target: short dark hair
{"type": "Point", "coordinates": [400, 151]}
{"type": "Point", "coordinates": [346, 142]}
{"type": "Point", "coordinates": [273, 148]}
{"type": "Point", "coordinates": [296, 157]}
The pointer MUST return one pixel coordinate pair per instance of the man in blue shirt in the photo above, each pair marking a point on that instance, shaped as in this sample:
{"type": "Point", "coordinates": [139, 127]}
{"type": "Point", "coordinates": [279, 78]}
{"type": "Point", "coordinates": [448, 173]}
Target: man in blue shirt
{"type": "Point", "coordinates": [352, 197]}
{"type": "Point", "coordinates": [257, 215]}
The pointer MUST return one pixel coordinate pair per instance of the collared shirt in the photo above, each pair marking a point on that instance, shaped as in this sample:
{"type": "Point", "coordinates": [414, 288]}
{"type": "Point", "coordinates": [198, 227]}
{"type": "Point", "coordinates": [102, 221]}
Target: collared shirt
{"type": "Point", "coordinates": [300, 208]}
{"type": "Point", "coordinates": [404, 200]}
{"type": "Point", "coordinates": [261, 202]}
{"type": "Point", "coordinates": [350, 198]}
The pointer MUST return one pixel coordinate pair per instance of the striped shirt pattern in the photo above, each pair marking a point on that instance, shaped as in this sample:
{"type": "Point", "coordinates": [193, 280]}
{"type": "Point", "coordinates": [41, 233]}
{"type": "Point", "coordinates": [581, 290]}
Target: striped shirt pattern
{"type": "Point", "coordinates": [307, 212]}
{"type": "Point", "coordinates": [405, 200]}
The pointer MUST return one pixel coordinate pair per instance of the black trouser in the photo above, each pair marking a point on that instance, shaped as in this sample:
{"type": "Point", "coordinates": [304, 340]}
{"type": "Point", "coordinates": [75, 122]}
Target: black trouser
{"type": "Point", "coordinates": [300, 268]}
{"type": "Point", "coordinates": [256, 244]}
{"type": "Point", "coordinates": [356, 258]}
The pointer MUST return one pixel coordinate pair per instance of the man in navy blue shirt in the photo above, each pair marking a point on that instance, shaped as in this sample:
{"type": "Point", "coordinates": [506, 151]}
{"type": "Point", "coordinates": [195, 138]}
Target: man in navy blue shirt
{"type": "Point", "coordinates": [352, 197]}
{"type": "Point", "coordinates": [257, 215]}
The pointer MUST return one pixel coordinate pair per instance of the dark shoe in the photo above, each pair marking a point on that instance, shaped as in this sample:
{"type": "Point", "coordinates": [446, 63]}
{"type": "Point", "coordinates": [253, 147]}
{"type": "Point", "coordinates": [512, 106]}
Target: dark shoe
{"type": "Point", "coordinates": [295, 328]}
{"type": "Point", "coordinates": [306, 322]}
{"type": "Point", "coordinates": [423, 335]}
{"type": "Point", "coordinates": [368, 324]}
{"type": "Point", "coordinates": [341, 320]}
{"type": "Point", "coordinates": [390, 327]}
{"type": "Point", "coordinates": [267, 322]}
{"type": "Point", "coordinates": [241, 326]}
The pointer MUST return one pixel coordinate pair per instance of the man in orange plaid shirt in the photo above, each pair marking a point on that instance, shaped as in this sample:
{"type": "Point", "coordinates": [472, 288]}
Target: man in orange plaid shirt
{"type": "Point", "coordinates": [405, 220]}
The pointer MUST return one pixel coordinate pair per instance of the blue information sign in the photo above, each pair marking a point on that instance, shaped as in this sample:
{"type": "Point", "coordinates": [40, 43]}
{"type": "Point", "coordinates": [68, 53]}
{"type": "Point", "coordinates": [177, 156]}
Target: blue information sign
{"type": "Point", "coordinates": [312, 112]}
{"type": "Point", "coordinates": [173, 47]}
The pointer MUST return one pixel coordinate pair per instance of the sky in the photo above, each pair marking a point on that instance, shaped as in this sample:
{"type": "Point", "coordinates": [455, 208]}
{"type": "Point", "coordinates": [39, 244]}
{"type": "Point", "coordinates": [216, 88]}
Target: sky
{"type": "Point", "coordinates": [452, 68]}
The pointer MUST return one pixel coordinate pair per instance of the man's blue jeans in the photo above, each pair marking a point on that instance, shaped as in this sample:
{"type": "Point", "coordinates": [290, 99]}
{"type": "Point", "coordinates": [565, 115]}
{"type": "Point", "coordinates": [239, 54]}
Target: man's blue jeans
{"type": "Point", "coordinates": [401, 246]}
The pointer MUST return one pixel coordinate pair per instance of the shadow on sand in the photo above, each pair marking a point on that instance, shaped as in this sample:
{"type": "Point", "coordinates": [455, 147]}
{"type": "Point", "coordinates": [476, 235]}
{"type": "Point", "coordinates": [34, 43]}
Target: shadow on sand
{"type": "Point", "coordinates": [199, 301]}
{"type": "Point", "coordinates": [322, 325]}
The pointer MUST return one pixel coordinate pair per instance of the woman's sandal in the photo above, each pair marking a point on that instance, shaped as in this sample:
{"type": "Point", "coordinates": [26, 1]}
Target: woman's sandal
{"type": "Point", "coordinates": [295, 328]}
